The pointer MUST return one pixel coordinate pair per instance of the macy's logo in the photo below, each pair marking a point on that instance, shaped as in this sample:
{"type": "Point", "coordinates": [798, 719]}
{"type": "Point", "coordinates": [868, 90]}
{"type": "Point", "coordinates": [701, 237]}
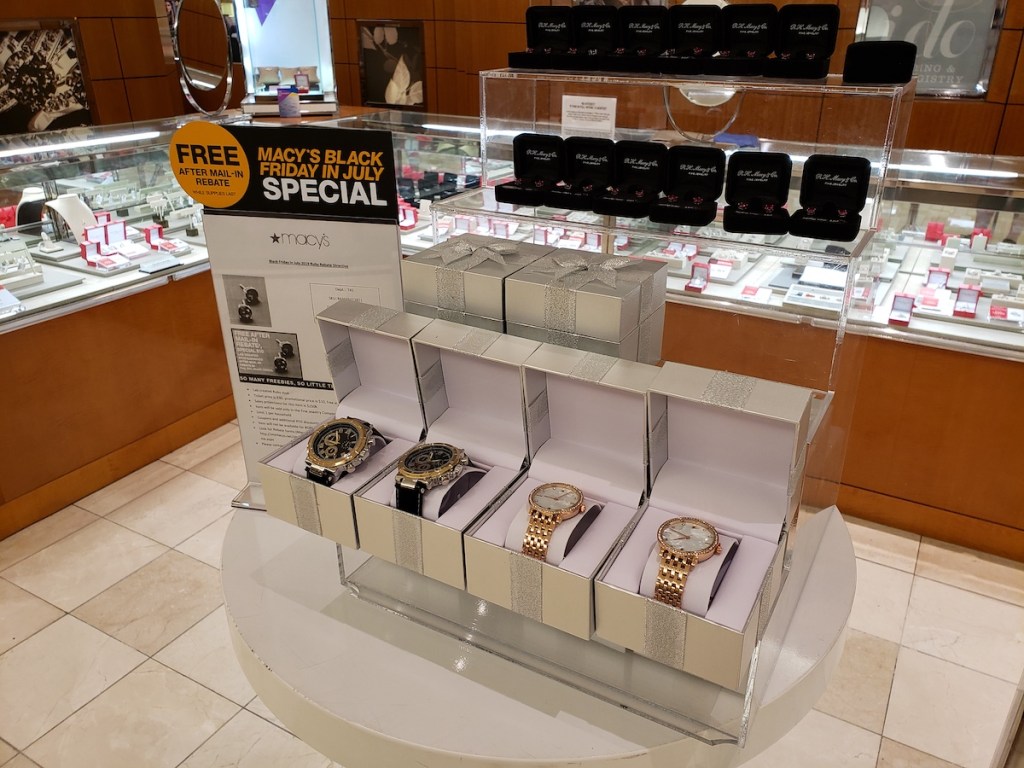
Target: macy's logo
{"type": "Point", "coordinates": [287, 238]}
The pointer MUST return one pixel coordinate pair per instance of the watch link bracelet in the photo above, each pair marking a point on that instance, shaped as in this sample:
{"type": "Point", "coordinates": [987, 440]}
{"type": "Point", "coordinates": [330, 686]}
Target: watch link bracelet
{"type": "Point", "coordinates": [338, 446]}
{"type": "Point", "coordinates": [550, 505]}
{"type": "Point", "coordinates": [683, 542]}
{"type": "Point", "coordinates": [427, 466]}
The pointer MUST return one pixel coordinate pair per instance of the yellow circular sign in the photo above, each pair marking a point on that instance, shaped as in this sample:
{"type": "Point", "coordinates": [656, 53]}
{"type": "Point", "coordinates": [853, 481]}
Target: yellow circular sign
{"type": "Point", "coordinates": [210, 164]}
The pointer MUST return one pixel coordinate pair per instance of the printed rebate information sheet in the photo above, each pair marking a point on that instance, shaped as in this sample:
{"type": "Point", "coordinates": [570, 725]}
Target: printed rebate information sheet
{"type": "Point", "coordinates": [296, 218]}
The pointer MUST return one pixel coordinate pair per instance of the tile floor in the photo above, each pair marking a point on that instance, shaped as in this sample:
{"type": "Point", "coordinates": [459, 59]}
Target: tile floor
{"type": "Point", "coordinates": [114, 649]}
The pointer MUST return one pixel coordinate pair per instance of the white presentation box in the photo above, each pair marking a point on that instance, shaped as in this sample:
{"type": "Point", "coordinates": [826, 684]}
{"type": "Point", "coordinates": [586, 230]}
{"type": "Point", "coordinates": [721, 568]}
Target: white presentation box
{"type": "Point", "coordinates": [587, 294]}
{"type": "Point", "coordinates": [586, 422]}
{"type": "Point", "coordinates": [471, 386]}
{"type": "Point", "coordinates": [463, 278]}
{"type": "Point", "coordinates": [369, 353]}
{"type": "Point", "coordinates": [729, 450]}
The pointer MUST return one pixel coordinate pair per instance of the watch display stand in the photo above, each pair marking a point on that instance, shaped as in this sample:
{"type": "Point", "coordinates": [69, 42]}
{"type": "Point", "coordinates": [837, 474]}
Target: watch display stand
{"type": "Point", "coordinates": [729, 450]}
{"type": "Point", "coordinates": [370, 358]}
{"type": "Point", "coordinates": [585, 420]}
{"type": "Point", "coordinates": [279, 54]}
{"type": "Point", "coordinates": [470, 383]}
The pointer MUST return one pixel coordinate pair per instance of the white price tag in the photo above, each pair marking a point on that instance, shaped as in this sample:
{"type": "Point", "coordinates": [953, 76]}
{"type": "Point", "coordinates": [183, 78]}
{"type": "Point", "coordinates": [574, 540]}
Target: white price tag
{"type": "Point", "coordinates": [588, 116]}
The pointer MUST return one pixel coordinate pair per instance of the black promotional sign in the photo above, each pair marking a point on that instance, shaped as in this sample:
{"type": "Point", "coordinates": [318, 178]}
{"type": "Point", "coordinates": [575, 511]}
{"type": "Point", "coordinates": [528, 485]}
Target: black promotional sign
{"type": "Point", "coordinates": [303, 171]}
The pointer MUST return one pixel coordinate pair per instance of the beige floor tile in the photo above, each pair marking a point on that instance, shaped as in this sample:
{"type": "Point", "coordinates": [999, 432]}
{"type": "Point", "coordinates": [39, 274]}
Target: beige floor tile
{"type": "Point", "coordinates": [884, 545]}
{"type": "Point", "coordinates": [896, 755]}
{"type": "Point", "coordinates": [83, 564]}
{"type": "Point", "coordinates": [227, 467]}
{"type": "Point", "coordinates": [206, 545]}
{"type": "Point", "coordinates": [57, 670]}
{"type": "Point", "coordinates": [158, 602]}
{"type": "Point", "coordinates": [130, 487]}
{"type": "Point", "coordinates": [880, 605]}
{"type": "Point", "coordinates": [38, 536]}
{"type": "Point", "coordinates": [257, 707]}
{"type": "Point", "coordinates": [947, 710]}
{"type": "Point", "coordinates": [6, 752]}
{"type": "Point", "coordinates": [205, 654]}
{"type": "Point", "coordinates": [177, 509]}
{"type": "Point", "coordinates": [24, 614]}
{"type": "Point", "coordinates": [153, 717]}
{"type": "Point", "coordinates": [205, 447]}
{"type": "Point", "coordinates": [820, 741]}
{"type": "Point", "coordinates": [966, 628]}
{"type": "Point", "coordinates": [248, 741]}
{"type": "Point", "coordinates": [21, 762]}
{"type": "Point", "coordinates": [859, 690]}
{"type": "Point", "coordinates": [979, 572]}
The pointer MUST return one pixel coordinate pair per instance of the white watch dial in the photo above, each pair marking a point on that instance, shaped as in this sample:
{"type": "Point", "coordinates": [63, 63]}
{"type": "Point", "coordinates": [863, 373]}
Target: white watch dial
{"type": "Point", "coordinates": [556, 497]}
{"type": "Point", "coordinates": [686, 536]}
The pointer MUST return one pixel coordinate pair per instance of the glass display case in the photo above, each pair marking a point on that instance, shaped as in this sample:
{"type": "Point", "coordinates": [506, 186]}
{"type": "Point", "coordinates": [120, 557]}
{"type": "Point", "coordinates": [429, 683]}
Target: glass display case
{"type": "Point", "coordinates": [88, 213]}
{"type": "Point", "coordinates": [286, 45]}
{"type": "Point", "coordinates": [436, 156]}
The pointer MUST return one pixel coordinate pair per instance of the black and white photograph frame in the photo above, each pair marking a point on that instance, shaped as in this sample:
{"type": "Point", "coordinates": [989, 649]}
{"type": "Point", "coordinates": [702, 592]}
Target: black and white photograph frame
{"type": "Point", "coordinates": [956, 41]}
{"type": "Point", "coordinates": [392, 64]}
{"type": "Point", "coordinates": [43, 78]}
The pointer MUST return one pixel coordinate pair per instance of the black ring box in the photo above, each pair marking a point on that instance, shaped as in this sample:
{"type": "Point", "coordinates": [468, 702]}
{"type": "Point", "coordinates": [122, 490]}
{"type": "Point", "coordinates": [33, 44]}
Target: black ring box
{"type": "Point", "coordinates": [588, 162]}
{"type": "Point", "coordinates": [805, 42]}
{"type": "Point", "coordinates": [830, 184]}
{"type": "Point", "coordinates": [756, 190]}
{"type": "Point", "coordinates": [748, 38]}
{"type": "Point", "coordinates": [539, 163]}
{"type": "Point", "coordinates": [639, 175]}
{"type": "Point", "coordinates": [595, 34]}
{"type": "Point", "coordinates": [694, 37]}
{"type": "Point", "coordinates": [643, 37]}
{"type": "Point", "coordinates": [548, 32]}
{"type": "Point", "coordinates": [879, 62]}
{"type": "Point", "coordinates": [691, 172]}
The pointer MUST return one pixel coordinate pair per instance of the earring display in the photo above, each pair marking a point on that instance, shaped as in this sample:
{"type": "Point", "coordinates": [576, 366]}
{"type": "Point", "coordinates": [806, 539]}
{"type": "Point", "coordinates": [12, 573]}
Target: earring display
{"type": "Point", "coordinates": [639, 175]}
{"type": "Point", "coordinates": [756, 190]}
{"type": "Point", "coordinates": [694, 182]}
{"type": "Point", "coordinates": [589, 165]}
{"type": "Point", "coordinates": [833, 192]}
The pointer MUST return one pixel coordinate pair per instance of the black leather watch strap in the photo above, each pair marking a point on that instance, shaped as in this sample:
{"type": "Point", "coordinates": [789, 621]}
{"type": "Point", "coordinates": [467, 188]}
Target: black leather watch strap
{"type": "Point", "coordinates": [410, 499]}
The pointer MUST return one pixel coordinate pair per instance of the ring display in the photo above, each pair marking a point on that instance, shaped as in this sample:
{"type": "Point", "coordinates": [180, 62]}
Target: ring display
{"type": "Point", "coordinates": [338, 446]}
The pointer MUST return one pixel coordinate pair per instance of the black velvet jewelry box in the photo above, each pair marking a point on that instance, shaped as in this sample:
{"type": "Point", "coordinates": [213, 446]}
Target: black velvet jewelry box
{"type": "Point", "coordinates": [756, 192]}
{"type": "Point", "coordinates": [538, 163]}
{"type": "Point", "coordinates": [806, 40]}
{"type": "Point", "coordinates": [643, 37]}
{"type": "Point", "coordinates": [548, 32]}
{"type": "Point", "coordinates": [595, 36]}
{"type": "Point", "coordinates": [833, 191]}
{"type": "Point", "coordinates": [748, 38]}
{"type": "Point", "coordinates": [589, 164]}
{"type": "Point", "coordinates": [638, 177]}
{"type": "Point", "coordinates": [693, 184]}
{"type": "Point", "coordinates": [694, 34]}
{"type": "Point", "coordinates": [879, 62]}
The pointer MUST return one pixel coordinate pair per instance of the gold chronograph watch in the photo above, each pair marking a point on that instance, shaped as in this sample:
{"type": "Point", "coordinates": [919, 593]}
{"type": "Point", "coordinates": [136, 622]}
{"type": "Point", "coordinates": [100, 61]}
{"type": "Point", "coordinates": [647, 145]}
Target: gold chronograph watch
{"type": "Point", "coordinates": [683, 542]}
{"type": "Point", "coordinates": [338, 446]}
{"type": "Point", "coordinates": [428, 466]}
{"type": "Point", "coordinates": [550, 505]}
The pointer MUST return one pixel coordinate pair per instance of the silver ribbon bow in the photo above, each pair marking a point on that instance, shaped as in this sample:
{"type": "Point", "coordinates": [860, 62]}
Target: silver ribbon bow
{"type": "Point", "coordinates": [571, 273]}
{"type": "Point", "coordinates": [577, 272]}
{"type": "Point", "coordinates": [454, 253]}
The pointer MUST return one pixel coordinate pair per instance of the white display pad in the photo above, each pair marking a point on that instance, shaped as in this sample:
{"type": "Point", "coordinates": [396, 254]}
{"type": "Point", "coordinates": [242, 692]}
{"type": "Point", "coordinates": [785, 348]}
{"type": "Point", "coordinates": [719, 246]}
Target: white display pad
{"type": "Point", "coordinates": [700, 583]}
{"type": "Point", "coordinates": [565, 535]}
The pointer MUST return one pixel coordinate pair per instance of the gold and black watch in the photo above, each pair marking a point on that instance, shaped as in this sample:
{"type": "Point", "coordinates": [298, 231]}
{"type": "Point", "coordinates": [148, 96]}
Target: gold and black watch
{"type": "Point", "coordinates": [338, 446]}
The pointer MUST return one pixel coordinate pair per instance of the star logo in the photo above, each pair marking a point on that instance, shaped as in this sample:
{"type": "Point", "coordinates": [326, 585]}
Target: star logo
{"type": "Point", "coordinates": [276, 238]}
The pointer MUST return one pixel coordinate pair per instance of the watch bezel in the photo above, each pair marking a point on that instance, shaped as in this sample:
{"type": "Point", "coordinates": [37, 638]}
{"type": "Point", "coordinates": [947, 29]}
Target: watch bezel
{"type": "Point", "coordinates": [348, 460]}
{"type": "Point", "coordinates": [560, 515]}
{"type": "Point", "coordinates": [441, 475]}
{"type": "Point", "coordinates": [700, 554]}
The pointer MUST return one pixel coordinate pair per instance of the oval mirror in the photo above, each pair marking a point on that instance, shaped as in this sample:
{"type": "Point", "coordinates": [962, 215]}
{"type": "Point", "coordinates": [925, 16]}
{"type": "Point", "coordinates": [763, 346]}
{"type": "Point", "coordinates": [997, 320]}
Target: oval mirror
{"type": "Point", "coordinates": [202, 52]}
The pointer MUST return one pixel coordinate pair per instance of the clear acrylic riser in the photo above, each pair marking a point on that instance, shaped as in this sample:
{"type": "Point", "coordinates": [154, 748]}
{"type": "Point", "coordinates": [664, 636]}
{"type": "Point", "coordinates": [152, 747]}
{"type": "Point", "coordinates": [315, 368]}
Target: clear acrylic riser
{"type": "Point", "coordinates": [682, 702]}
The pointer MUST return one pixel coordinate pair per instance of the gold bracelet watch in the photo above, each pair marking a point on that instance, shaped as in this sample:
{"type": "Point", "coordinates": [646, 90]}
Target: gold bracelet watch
{"type": "Point", "coordinates": [550, 504]}
{"type": "Point", "coordinates": [683, 542]}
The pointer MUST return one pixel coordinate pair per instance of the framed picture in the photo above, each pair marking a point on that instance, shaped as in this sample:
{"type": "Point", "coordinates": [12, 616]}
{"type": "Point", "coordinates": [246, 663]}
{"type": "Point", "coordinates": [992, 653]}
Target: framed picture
{"type": "Point", "coordinates": [42, 77]}
{"type": "Point", "coordinates": [956, 40]}
{"type": "Point", "coordinates": [392, 66]}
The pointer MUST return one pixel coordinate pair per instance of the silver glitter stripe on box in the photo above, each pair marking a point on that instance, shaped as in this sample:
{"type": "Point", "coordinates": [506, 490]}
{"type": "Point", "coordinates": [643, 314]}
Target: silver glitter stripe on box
{"type": "Point", "coordinates": [537, 411]}
{"type": "Point", "coordinates": [341, 357]}
{"type": "Point", "coordinates": [451, 315]}
{"type": "Point", "coordinates": [729, 390]}
{"type": "Point", "coordinates": [592, 367]}
{"type": "Point", "coordinates": [373, 318]}
{"type": "Point", "coordinates": [475, 341]}
{"type": "Point", "coordinates": [408, 540]}
{"type": "Point", "coordinates": [451, 288]}
{"type": "Point", "coordinates": [559, 309]}
{"type": "Point", "coordinates": [527, 586]}
{"type": "Point", "coordinates": [304, 500]}
{"type": "Point", "coordinates": [562, 338]}
{"type": "Point", "coordinates": [431, 382]}
{"type": "Point", "coordinates": [765, 609]}
{"type": "Point", "coordinates": [665, 634]}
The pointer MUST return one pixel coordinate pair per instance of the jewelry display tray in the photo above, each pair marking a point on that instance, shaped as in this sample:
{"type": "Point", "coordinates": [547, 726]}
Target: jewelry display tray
{"type": "Point", "coordinates": [684, 703]}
